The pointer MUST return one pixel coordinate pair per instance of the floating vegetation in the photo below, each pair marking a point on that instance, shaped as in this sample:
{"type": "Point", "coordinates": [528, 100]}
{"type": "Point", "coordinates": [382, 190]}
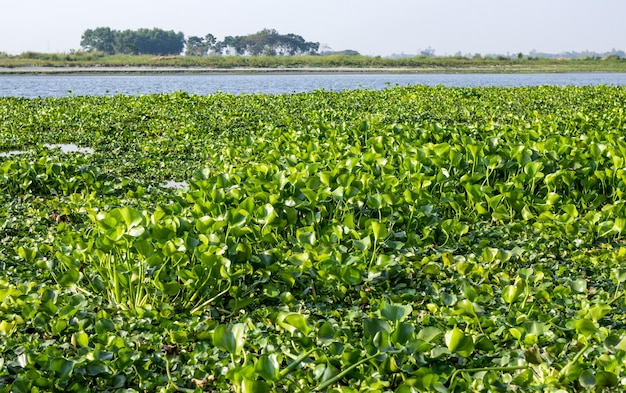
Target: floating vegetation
{"type": "Point", "coordinates": [405, 240]}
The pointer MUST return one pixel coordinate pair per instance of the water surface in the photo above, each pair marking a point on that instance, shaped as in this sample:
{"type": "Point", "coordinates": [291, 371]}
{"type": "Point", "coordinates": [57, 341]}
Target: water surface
{"type": "Point", "coordinates": [47, 85]}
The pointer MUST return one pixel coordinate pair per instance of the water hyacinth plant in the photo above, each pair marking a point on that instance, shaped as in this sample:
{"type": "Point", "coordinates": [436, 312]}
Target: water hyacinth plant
{"type": "Point", "coordinates": [410, 239]}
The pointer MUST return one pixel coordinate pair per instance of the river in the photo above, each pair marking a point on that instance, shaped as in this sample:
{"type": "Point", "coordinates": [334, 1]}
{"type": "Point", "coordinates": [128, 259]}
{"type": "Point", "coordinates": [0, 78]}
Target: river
{"type": "Point", "coordinates": [51, 85]}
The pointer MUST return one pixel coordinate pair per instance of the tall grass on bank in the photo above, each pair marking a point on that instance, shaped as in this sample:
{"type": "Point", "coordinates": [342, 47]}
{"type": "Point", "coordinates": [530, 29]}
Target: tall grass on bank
{"type": "Point", "coordinates": [416, 64]}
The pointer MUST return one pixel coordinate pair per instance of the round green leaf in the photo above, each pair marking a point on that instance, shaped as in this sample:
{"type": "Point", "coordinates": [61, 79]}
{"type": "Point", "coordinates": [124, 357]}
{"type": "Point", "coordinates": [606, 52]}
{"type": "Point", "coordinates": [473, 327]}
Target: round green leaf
{"type": "Point", "coordinates": [267, 367]}
{"type": "Point", "coordinates": [587, 379]}
{"type": "Point", "coordinates": [458, 342]}
{"type": "Point", "coordinates": [70, 277]}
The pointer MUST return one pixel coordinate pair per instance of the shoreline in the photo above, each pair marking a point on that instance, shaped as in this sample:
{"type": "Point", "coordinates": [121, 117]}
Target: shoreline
{"type": "Point", "coordinates": [104, 70]}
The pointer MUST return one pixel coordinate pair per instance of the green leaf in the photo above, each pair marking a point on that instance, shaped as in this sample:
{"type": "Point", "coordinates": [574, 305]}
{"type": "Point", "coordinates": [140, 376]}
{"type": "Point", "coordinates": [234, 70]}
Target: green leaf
{"type": "Point", "coordinates": [130, 216]}
{"type": "Point", "coordinates": [351, 275]}
{"type": "Point", "coordinates": [178, 336]}
{"type": "Point", "coordinates": [306, 236]}
{"type": "Point", "coordinates": [294, 322]}
{"type": "Point", "coordinates": [326, 332]}
{"type": "Point", "coordinates": [402, 333]}
{"type": "Point", "coordinates": [585, 327]}
{"type": "Point", "coordinates": [468, 307]}
{"type": "Point", "coordinates": [252, 386]}
{"type": "Point", "coordinates": [618, 275]}
{"type": "Point", "coordinates": [382, 341]}
{"type": "Point", "coordinates": [59, 326]}
{"type": "Point", "coordinates": [533, 169]}
{"type": "Point", "coordinates": [62, 367]}
{"type": "Point", "coordinates": [622, 344]}
{"type": "Point", "coordinates": [431, 269]}
{"type": "Point", "coordinates": [587, 379]}
{"type": "Point", "coordinates": [579, 285]}
{"type": "Point", "coordinates": [599, 311]}
{"type": "Point", "coordinates": [379, 230]}
{"type": "Point", "coordinates": [171, 288]}
{"type": "Point", "coordinates": [70, 277]}
{"type": "Point", "coordinates": [362, 244]}
{"type": "Point", "coordinates": [606, 379]}
{"type": "Point", "coordinates": [395, 312]}
{"type": "Point", "coordinates": [224, 339]}
{"type": "Point", "coordinates": [21, 385]}
{"type": "Point", "coordinates": [266, 214]}
{"type": "Point", "coordinates": [527, 214]}
{"type": "Point", "coordinates": [374, 201]}
{"type": "Point", "coordinates": [144, 247]}
{"type": "Point", "coordinates": [324, 371]}
{"type": "Point", "coordinates": [104, 325]}
{"type": "Point", "coordinates": [429, 333]}
{"type": "Point", "coordinates": [458, 342]}
{"type": "Point", "coordinates": [619, 224]}
{"type": "Point", "coordinates": [447, 259]}
{"type": "Point", "coordinates": [27, 253]}
{"type": "Point", "coordinates": [406, 389]}
{"type": "Point", "coordinates": [96, 368]}
{"type": "Point", "coordinates": [534, 327]}
{"type": "Point", "coordinates": [524, 379]}
{"type": "Point", "coordinates": [371, 326]}
{"type": "Point", "coordinates": [510, 293]}
{"type": "Point", "coordinates": [267, 367]}
{"type": "Point", "coordinates": [82, 339]}
{"type": "Point", "coordinates": [6, 328]}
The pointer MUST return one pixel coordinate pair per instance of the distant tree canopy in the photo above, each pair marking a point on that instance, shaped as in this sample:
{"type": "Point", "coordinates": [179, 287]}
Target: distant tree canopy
{"type": "Point", "coordinates": [267, 42]}
{"type": "Point", "coordinates": [200, 46]}
{"type": "Point", "coordinates": [137, 42]}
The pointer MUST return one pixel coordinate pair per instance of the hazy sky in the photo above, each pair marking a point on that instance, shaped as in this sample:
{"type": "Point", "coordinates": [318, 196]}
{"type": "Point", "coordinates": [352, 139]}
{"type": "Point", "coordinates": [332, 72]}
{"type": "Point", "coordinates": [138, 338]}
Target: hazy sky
{"type": "Point", "coordinates": [372, 27]}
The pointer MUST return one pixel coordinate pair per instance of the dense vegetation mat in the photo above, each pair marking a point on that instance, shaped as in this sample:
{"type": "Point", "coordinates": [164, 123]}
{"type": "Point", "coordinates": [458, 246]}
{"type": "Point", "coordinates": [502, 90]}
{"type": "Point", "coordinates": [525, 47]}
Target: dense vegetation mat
{"type": "Point", "coordinates": [404, 240]}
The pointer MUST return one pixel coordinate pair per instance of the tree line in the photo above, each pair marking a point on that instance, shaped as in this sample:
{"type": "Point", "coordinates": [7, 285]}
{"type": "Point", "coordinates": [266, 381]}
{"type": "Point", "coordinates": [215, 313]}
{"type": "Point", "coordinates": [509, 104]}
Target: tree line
{"type": "Point", "coordinates": [159, 42]}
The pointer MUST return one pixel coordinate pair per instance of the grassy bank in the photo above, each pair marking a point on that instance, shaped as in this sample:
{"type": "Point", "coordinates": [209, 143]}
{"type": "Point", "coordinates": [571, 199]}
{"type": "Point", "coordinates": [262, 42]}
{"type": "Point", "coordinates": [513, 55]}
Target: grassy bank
{"type": "Point", "coordinates": [311, 63]}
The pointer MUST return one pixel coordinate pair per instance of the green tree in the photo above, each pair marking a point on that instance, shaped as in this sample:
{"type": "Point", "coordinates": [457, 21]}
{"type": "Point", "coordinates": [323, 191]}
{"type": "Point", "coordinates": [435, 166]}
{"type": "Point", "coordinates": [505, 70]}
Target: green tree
{"type": "Point", "coordinates": [268, 42]}
{"type": "Point", "coordinates": [143, 41]}
{"type": "Point", "coordinates": [194, 46]}
{"type": "Point", "coordinates": [99, 39]}
{"type": "Point", "coordinates": [200, 46]}
{"type": "Point", "coordinates": [210, 41]}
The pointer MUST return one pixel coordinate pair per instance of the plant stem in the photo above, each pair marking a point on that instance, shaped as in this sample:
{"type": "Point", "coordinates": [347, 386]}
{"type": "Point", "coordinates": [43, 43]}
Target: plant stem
{"type": "Point", "coordinates": [211, 300]}
{"type": "Point", "coordinates": [342, 374]}
{"type": "Point", "coordinates": [479, 369]}
{"type": "Point", "coordinates": [292, 366]}
{"type": "Point", "coordinates": [574, 360]}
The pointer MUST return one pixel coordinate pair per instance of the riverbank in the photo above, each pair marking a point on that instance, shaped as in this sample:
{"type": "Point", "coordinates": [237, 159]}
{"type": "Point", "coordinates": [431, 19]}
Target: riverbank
{"type": "Point", "coordinates": [32, 70]}
{"type": "Point", "coordinates": [50, 64]}
{"type": "Point", "coordinates": [207, 70]}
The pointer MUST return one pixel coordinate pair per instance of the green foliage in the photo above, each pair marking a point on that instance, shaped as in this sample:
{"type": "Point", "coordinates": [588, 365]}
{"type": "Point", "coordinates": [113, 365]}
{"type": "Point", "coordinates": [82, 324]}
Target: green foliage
{"type": "Point", "coordinates": [411, 239]}
{"type": "Point", "coordinates": [267, 42]}
{"type": "Point", "coordinates": [142, 41]}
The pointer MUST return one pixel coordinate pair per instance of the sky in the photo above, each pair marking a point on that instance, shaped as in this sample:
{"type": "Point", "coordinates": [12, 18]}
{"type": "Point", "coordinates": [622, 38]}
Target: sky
{"type": "Point", "coordinates": [371, 27]}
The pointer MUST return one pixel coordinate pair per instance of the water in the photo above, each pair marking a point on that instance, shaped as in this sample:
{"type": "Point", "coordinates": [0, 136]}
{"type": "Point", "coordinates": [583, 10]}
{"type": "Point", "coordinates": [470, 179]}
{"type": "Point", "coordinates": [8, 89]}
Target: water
{"type": "Point", "coordinates": [72, 148]}
{"type": "Point", "coordinates": [47, 85]}
{"type": "Point", "coordinates": [64, 147]}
